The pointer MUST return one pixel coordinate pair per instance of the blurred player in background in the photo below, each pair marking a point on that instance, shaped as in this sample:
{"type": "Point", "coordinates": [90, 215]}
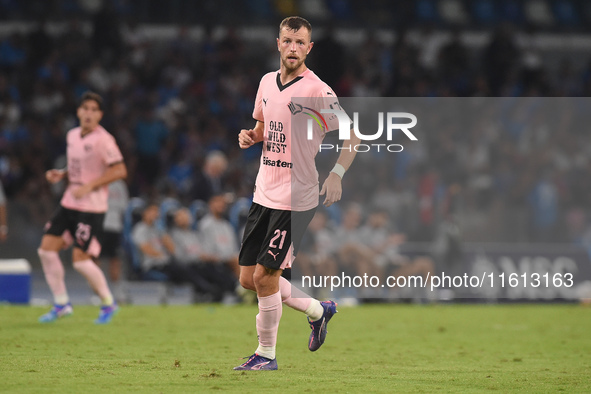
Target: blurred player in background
{"type": "Point", "coordinates": [111, 239]}
{"type": "Point", "coordinates": [3, 222]}
{"type": "Point", "coordinates": [94, 161]}
{"type": "Point", "coordinates": [271, 239]}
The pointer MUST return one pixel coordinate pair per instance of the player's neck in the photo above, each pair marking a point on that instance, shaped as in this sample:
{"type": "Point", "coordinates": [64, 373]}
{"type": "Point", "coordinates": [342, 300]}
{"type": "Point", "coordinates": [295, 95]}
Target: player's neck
{"type": "Point", "coordinates": [87, 130]}
{"type": "Point", "coordinates": [288, 76]}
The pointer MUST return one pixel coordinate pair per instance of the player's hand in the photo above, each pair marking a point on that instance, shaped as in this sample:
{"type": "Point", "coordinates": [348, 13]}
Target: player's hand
{"type": "Point", "coordinates": [333, 189]}
{"type": "Point", "coordinates": [54, 176]}
{"type": "Point", "coordinates": [246, 138]}
{"type": "Point", "coordinates": [81, 191]}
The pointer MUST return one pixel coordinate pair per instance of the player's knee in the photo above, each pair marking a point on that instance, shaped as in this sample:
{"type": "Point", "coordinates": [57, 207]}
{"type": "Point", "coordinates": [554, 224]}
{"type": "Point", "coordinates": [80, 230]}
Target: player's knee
{"type": "Point", "coordinates": [247, 282]}
{"type": "Point", "coordinates": [263, 277]}
{"type": "Point", "coordinates": [50, 244]}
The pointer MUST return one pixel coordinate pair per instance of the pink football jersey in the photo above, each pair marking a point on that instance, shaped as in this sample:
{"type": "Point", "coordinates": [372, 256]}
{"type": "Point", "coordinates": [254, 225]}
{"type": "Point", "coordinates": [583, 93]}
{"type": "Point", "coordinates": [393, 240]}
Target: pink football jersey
{"type": "Point", "coordinates": [287, 177]}
{"type": "Point", "coordinates": [88, 159]}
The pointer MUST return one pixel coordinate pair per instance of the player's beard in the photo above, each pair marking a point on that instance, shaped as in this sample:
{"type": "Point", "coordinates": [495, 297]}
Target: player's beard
{"type": "Point", "coordinates": [292, 67]}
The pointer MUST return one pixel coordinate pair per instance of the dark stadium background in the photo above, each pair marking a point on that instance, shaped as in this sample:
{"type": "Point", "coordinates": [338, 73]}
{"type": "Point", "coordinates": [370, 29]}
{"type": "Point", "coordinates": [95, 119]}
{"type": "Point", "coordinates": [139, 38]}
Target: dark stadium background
{"type": "Point", "coordinates": [188, 71]}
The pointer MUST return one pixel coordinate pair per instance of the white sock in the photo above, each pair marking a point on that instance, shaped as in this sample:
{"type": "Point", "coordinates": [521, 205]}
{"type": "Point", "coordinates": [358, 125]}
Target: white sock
{"type": "Point", "coordinates": [315, 310]}
{"type": "Point", "coordinates": [61, 299]}
{"type": "Point", "coordinates": [266, 351]}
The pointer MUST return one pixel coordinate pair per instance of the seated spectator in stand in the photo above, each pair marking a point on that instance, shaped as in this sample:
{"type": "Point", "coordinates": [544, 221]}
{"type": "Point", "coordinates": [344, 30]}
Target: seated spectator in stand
{"type": "Point", "coordinates": [354, 257]}
{"type": "Point", "coordinates": [113, 226]}
{"type": "Point", "coordinates": [385, 243]}
{"type": "Point", "coordinates": [316, 254]}
{"type": "Point", "coordinates": [189, 251]}
{"type": "Point", "coordinates": [157, 250]}
{"type": "Point", "coordinates": [210, 182]}
{"type": "Point", "coordinates": [219, 242]}
{"type": "Point", "coordinates": [188, 248]}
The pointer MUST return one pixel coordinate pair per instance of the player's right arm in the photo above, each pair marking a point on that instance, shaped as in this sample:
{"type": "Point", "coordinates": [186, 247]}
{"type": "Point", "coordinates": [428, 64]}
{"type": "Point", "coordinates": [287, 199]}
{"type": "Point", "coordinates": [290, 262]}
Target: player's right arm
{"type": "Point", "coordinates": [248, 138]}
{"type": "Point", "coordinates": [54, 175]}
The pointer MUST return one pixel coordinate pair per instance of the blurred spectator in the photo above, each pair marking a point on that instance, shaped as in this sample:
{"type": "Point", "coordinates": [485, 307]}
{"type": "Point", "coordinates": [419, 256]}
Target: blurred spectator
{"type": "Point", "coordinates": [328, 59]}
{"type": "Point", "coordinates": [106, 38]}
{"type": "Point", "coordinates": [354, 257]}
{"type": "Point", "coordinates": [172, 98]}
{"type": "Point", "coordinates": [210, 181]}
{"type": "Point", "coordinates": [316, 254]}
{"type": "Point", "coordinates": [453, 62]}
{"type": "Point", "coordinates": [544, 202]}
{"type": "Point", "coordinates": [385, 245]}
{"type": "Point", "coordinates": [3, 221]}
{"type": "Point", "coordinates": [157, 250]}
{"type": "Point", "coordinates": [500, 60]}
{"type": "Point", "coordinates": [190, 250]}
{"type": "Point", "coordinates": [150, 134]}
{"type": "Point", "coordinates": [12, 52]}
{"type": "Point", "coordinates": [219, 239]}
{"type": "Point", "coordinates": [113, 227]}
{"type": "Point", "coordinates": [40, 44]}
{"type": "Point", "coordinates": [188, 247]}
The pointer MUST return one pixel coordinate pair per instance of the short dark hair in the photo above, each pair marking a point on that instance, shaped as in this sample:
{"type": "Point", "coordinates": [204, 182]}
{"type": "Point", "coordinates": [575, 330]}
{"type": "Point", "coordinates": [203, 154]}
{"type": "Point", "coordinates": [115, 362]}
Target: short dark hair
{"type": "Point", "coordinates": [295, 23]}
{"type": "Point", "coordinates": [88, 95]}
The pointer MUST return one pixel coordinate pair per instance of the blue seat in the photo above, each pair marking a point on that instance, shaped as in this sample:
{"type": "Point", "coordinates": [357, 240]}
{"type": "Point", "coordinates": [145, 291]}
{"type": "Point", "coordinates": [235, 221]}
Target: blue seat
{"type": "Point", "coordinates": [512, 11]}
{"type": "Point", "coordinates": [335, 214]}
{"type": "Point", "coordinates": [566, 13]}
{"type": "Point", "coordinates": [239, 212]}
{"type": "Point", "coordinates": [132, 215]}
{"type": "Point", "coordinates": [427, 11]}
{"type": "Point", "coordinates": [167, 208]}
{"type": "Point", "coordinates": [484, 11]}
{"type": "Point", "coordinates": [340, 9]}
{"type": "Point", "coordinates": [261, 9]}
{"type": "Point", "coordinates": [199, 209]}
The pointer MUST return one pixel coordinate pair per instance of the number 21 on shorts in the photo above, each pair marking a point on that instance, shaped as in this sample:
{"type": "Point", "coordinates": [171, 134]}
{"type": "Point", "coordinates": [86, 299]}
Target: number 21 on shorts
{"type": "Point", "coordinates": [278, 233]}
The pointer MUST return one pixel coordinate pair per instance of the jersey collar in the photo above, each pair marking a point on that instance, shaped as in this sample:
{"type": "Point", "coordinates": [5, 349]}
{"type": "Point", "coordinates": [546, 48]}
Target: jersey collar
{"type": "Point", "coordinates": [283, 87]}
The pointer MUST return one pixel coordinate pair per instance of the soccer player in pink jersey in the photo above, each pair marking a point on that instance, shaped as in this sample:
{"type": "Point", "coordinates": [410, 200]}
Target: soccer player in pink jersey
{"type": "Point", "coordinates": [94, 161]}
{"type": "Point", "coordinates": [286, 192]}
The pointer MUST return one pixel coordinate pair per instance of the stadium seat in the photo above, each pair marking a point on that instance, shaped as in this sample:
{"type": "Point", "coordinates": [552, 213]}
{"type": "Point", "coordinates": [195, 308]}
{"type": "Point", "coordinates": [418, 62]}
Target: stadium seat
{"type": "Point", "coordinates": [239, 212]}
{"type": "Point", "coordinates": [511, 11]}
{"type": "Point", "coordinates": [484, 12]}
{"type": "Point", "coordinates": [314, 10]}
{"type": "Point", "coordinates": [167, 208]}
{"type": "Point", "coordinates": [340, 9]}
{"type": "Point", "coordinates": [260, 10]}
{"type": "Point", "coordinates": [566, 13]}
{"type": "Point", "coordinates": [199, 209]}
{"type": "Point", "coordinates": [132, 215]}
{"type": "Point", "coordinates": [453, 12]}
{"type": "Point", "coordinates": [538, 13]}
{"type": "Point", "coordinates": [335, 214]}
{"type": "Point", "coordinates": [427, 11]}
{"type": "Point", "coordinates": [586, 13]}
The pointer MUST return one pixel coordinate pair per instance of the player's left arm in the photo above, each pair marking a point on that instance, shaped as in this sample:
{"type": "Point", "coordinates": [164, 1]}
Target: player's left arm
{"type": "Point", "coordinates": [113, 173]}
{"type": "Point", "coordinates": [248, 138]}
{"type": "Point", "coordinates": [332, 186]}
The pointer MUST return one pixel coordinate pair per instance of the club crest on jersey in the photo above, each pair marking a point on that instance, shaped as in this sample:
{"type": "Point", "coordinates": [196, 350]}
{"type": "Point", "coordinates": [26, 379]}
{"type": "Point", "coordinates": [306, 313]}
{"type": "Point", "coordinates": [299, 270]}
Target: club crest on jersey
{"type": "Point", "coordinates": [297, 108]}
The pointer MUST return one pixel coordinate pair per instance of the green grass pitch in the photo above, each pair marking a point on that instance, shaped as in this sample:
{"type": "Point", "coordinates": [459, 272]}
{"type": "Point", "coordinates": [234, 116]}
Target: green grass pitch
{"type": "Point", "coordinates": [372, 348]}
